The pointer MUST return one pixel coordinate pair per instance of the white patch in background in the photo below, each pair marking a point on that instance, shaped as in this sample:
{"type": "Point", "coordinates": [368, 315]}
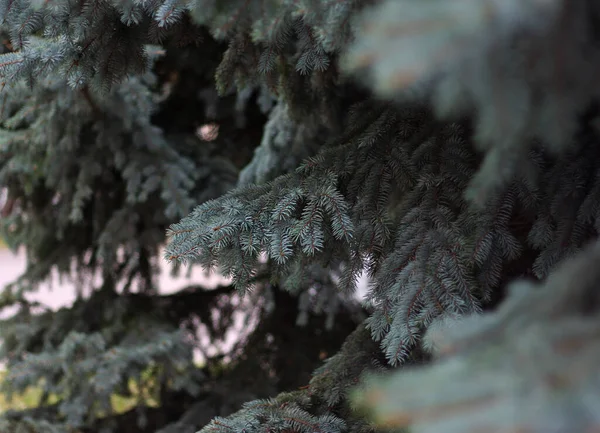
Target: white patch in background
{"type": "Point", "coordinates": [57, 294]}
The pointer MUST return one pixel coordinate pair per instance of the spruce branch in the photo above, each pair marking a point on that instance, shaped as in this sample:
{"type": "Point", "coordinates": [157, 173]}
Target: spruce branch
{"type": "Point", "coordinates": [535, 359]}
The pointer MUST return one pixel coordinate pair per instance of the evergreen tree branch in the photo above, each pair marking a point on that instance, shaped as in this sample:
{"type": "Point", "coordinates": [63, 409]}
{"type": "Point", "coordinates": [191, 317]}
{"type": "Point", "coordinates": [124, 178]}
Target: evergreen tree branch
{"type": "Point", "coordinates": [538, 350]}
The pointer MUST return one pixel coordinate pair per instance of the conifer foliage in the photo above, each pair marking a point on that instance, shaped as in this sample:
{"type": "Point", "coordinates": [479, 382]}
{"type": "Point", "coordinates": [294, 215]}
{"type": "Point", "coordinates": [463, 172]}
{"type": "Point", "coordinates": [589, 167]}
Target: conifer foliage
{"type": "Point", "coordinates": [446, 149]}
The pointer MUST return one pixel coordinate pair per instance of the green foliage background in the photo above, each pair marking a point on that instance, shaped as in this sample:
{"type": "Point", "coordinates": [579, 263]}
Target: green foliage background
{"type": "Point", "coordinates": [447, 149]}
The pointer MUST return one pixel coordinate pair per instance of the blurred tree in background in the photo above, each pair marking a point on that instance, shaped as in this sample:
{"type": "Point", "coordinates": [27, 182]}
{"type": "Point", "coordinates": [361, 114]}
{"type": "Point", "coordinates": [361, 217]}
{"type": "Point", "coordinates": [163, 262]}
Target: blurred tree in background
{"type": "Point", "coordinates": [444, 149]}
